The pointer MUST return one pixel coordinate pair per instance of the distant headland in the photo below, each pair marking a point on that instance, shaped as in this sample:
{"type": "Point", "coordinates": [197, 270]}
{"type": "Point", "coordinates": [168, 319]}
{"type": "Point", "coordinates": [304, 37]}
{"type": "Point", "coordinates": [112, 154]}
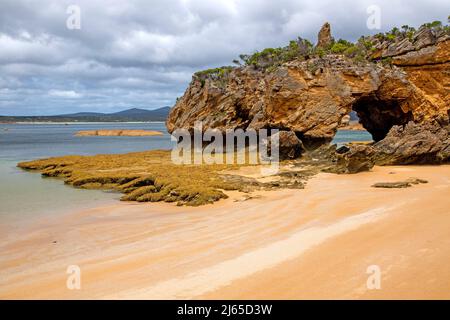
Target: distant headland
{"type": "Point", "coordinates": [129, 115]}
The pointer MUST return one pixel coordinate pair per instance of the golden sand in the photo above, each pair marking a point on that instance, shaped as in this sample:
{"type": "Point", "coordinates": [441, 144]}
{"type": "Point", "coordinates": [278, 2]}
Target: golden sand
{"type": "Point", "coordinates": [286, 244]}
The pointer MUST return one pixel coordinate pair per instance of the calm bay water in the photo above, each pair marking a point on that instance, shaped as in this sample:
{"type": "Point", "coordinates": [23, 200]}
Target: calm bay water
{"type": "Point", "coordinates": [24, 195]}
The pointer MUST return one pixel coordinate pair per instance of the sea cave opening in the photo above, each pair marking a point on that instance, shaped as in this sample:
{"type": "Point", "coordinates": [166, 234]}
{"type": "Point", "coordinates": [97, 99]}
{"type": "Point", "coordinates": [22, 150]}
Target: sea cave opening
{"type": "Point", "coordinates": [378, 116]}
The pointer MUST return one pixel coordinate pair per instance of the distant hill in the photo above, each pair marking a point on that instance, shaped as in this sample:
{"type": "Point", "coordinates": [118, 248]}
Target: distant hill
{"type": "Point", "coordinates": [133, 114]}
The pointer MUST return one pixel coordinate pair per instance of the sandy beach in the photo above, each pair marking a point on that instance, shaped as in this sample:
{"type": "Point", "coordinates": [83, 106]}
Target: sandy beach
{"type": "Point", "coordinates": [285, 244]}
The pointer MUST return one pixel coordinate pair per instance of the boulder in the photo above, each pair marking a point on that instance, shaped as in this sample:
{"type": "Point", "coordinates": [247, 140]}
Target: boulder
{"type": "Point", "coordinates": [399, 184]}
{"type": "Point", "coordinates": [358, 158]}
{"type": "Point", "coordinates": [414, 143]}
{"type": "Point", "coordinates": [289, 145]}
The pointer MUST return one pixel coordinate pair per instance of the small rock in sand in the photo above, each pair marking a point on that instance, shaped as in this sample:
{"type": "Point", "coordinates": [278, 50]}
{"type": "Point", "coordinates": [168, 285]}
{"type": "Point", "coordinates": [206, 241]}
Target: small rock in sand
{"type": "Point", "coordinates": [399, 184]}
{"type": "Point", "coordinates": [247, 197]}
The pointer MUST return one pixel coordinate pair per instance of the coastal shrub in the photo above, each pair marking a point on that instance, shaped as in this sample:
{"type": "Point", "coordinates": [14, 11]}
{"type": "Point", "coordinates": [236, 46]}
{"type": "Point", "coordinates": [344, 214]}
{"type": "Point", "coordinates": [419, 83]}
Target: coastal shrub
{"type": "Point", "coordinates": [396, 34]}
{"type": "Point", "coordinates": [408, 31]}
{"type": "Point", "coordinates": [270, 58]}
{"type": "Point", "coordinates": [433, 25]}
{"type": "Point", "coordinates": [320, 52]}
{"type": "Point", "coordinates": [366, 43]}
{"type": "Point", "coordinates": [267, 57]}
{"type": "Point", "coordinates": [217, 75]}
{"type": "Point", "coordinates": [214, 73]}
{"type": "Point", "coordinates": [340, 46]}
{"type": "Point", "coordinates": [390, 37]}
{"type": "Point", "coordinates": [352, 51]}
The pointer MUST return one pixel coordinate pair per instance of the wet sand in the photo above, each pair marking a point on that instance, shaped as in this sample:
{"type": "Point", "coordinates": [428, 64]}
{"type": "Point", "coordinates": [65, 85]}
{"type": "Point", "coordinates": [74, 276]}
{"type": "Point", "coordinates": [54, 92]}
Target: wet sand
{"type": "Point", "coordinates": [287, 244]}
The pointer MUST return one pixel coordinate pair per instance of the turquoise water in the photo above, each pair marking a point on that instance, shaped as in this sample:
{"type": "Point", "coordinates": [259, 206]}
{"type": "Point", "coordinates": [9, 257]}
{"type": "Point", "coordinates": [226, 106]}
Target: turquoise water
{"type": "Point", "coordinates": [344, 136]}
{"type": "Point", "coordinates": [25, 195]}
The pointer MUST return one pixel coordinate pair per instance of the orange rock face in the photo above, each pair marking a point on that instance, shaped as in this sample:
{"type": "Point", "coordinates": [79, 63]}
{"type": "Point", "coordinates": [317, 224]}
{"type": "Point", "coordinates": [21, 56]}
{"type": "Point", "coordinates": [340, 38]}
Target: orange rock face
{"type": "Point", "coordinates": [311, 97]}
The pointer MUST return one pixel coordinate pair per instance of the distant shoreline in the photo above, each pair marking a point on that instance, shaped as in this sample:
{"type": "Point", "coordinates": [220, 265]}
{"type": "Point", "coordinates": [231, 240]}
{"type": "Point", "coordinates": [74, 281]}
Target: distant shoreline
{"type": "Point", "coordinates": [77, 122]}
{"type": "Point", "coordinates": [129, 115]}
{"type": "Point", "coordinates": [118, 133]}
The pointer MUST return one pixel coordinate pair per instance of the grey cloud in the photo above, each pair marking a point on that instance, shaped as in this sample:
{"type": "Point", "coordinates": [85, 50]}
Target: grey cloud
{"type": "Point", "coordinates": [143, 53]}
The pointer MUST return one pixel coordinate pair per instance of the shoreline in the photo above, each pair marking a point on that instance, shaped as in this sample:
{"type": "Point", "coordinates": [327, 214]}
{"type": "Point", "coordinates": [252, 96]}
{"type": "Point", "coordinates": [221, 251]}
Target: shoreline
{"type": "Point", "coordinates": [311, 243]}
{"type": "Point", "coordinates": [81, 122]}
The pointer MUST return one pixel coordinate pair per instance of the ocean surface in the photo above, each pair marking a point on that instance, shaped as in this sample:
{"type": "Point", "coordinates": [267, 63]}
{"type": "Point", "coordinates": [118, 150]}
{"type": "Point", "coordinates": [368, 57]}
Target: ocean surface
{"type": "Point", "coordinates": [25, 195]}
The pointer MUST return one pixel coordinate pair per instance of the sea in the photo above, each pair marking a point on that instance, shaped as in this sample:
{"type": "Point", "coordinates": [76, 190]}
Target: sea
{"type": "Point", "coordinates": [25, 195]}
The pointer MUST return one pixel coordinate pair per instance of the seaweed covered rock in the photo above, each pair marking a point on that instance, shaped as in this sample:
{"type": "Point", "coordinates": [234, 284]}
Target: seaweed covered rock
{"type": "Point", "coordinates": [147, 176]}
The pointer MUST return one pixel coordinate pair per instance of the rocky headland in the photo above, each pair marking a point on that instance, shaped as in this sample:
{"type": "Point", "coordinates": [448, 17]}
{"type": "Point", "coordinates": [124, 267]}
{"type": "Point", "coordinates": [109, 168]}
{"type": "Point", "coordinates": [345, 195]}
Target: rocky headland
{"type": "Point", "coordinates": [398, 83]}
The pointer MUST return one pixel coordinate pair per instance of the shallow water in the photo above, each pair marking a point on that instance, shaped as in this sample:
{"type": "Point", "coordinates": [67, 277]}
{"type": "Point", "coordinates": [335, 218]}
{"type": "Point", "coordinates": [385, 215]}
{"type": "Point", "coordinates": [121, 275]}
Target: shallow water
{"type": "Point", "coordinates": [344, 136]}
{"type": "Point", "coordinates": [24, 195]}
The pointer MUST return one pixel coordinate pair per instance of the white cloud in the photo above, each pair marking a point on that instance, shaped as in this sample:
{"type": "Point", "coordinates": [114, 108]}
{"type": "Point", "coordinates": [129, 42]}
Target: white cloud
{"type": "Point", "coordinates": [70, 94]}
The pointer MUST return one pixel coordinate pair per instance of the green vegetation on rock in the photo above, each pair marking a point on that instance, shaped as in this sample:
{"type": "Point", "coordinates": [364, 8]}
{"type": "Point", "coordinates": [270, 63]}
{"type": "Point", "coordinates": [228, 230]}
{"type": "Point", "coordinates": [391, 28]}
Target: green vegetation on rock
{"type": "Point", "coordinates": [364, 50]}
{"type": "Point", "coordinates": [270, 58]}
{"type": "Point", "coordinates": [214, 74]}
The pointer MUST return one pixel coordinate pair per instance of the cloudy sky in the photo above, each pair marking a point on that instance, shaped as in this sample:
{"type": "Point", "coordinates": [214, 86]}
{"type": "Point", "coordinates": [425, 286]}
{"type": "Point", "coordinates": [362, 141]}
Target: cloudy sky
{"type": "Point", "coordinates": [143, 53]}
